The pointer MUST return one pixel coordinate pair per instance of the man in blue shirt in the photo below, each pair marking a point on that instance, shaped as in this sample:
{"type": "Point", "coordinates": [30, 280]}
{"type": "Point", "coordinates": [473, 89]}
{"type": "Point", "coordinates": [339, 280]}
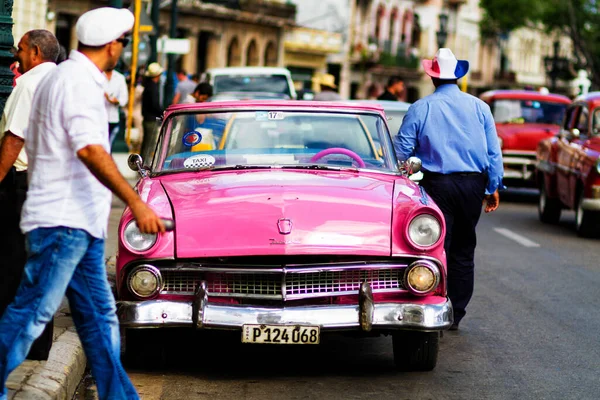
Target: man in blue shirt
{"type": "Point", "coordinates": [454, 135]}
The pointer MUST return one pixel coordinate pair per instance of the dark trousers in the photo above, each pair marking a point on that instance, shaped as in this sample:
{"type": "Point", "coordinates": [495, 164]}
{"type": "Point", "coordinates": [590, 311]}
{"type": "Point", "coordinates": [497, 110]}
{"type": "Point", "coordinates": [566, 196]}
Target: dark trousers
{"type": "Point", "coordinates": [460, 198]}
{"type": "Point", "coordinates": [13, 255]}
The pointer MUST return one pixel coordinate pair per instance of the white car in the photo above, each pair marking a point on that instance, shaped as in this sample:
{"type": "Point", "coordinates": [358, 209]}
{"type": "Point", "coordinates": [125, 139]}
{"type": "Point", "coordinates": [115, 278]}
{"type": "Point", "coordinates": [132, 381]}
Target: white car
{"type": "Point", "coordinates": [251, 79]}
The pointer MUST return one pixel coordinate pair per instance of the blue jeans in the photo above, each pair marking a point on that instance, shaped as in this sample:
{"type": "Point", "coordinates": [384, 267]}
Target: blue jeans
{"type": "Point", "coordinates": [67, 260]}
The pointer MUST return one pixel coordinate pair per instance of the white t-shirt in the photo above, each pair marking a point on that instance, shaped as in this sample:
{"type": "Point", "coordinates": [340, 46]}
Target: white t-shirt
{"type": "Point", "coordinates": [15, 116]}
{"type": "Point", "coordinates": [116, 87]}
{"type": "Point", "coordinates": [67, 114]}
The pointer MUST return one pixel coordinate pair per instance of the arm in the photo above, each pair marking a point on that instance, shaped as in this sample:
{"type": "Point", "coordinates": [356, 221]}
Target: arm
{"type": "Point", "coordinates": [405, 142]}
{"type": "Point", "coordinates": [496, 169]}
{"type": "Point", "coordinates": [176, 98]}
{"type": "Point", "coordinates": [101, 164]}
{"type": "Point", "coordinates": [9, 151]}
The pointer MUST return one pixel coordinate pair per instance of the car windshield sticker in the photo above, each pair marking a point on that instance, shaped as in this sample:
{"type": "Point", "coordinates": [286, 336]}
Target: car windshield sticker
{"type": "Point", "coordinates": [192, 138]}
{"type": "Point", "coordinates": [269, 115]}
{"type": "Point", "coordinates": [199, 161]}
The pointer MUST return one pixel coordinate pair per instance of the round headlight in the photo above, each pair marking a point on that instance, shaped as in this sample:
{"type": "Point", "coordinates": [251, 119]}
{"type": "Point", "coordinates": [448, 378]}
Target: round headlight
{"type": "Point", "coordinates": [144, 281]}
{"type": "Point", "coordinates": [136, 240]}
{"type": "Point", "coordinates": [422, 278]}
{"type": "Point", "coordinates": [424, 230]}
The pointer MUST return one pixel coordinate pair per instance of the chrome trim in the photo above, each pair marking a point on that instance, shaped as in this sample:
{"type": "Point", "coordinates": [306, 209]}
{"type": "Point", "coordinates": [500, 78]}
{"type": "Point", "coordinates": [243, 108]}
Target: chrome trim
{"type": "Point", "coordinates": [429, 265]}
{"type": "Point", "coordinates": [199, 305]}
{"type": "Point", "coordinates": [590, 204]}
{"type": "Point", "coordinates": [147, 267]}
{"type": "Point", "coordinates": [162, 313]}
{"type": "Point", "coordinates": [289, 268]}
{"type": "Point", "coordinates": [366, 307]}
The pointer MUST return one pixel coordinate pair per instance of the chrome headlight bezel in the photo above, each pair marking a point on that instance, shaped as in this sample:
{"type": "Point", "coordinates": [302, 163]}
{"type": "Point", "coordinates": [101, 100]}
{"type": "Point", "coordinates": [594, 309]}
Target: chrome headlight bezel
{"type": "Point", "coordinates": [130, 232]}
{"type": "Point", "coordinates": [145, 268]}
{"type": "Point", "coordinates": [435, 275]}
{"type": "Point", "coordinates": [414, 220]}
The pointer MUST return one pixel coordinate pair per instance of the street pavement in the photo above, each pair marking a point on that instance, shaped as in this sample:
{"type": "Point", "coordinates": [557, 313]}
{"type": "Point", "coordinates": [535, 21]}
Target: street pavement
{"type": "Point", "coordinates": [59, 377]}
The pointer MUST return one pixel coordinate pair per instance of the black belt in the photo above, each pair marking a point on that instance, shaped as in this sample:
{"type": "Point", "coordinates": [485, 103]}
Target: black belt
{"type": "Point", "coordinates": [466, 173]}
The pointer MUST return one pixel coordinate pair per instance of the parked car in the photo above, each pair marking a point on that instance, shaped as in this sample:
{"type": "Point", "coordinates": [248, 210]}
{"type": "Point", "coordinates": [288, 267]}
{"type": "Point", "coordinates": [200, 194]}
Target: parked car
{"type": "Point", "coordinates": [524, 118]}
{"type": "Point", "coordinates": [251, 79]}
{"type": "Point", "coordinates": [568, 167]}
{"type": "Point", "coordinates": [295, 226]}
{"type": "Point", "coordinates": [394, 111]}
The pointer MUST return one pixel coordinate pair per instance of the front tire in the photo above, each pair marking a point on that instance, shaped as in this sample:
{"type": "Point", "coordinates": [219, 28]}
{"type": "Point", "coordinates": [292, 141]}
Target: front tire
{"type": "Point", "coordinates": [586, 221]}
{"type": "Point", "coordinates": [415, 351]}
{"type": "Point", "coordinates": [548, 208]}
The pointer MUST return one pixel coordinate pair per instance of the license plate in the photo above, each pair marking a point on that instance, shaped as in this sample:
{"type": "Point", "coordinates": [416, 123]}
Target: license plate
{"type": "Point", "coordinates": [280, 334]}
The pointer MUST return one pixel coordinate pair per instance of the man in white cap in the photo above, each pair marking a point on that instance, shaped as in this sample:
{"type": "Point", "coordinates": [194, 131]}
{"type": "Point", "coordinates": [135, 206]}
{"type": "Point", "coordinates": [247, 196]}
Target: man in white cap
{"type": "Point", "coordinates": [454, 135]}
{"type": "Point", "coordinates": [66, 212]}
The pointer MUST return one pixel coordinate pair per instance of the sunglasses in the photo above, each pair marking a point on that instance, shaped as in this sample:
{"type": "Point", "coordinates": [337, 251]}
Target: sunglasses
{"type": "Point", "coordinates": [124, 41]}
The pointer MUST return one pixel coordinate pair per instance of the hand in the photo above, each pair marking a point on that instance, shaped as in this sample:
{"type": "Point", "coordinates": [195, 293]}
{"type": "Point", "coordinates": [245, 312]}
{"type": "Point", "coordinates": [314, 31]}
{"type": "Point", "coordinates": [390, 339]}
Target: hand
{"type": "Point", "coordinates": [146, 219]}
{"type": "Point", "coordinates": [491, 202]}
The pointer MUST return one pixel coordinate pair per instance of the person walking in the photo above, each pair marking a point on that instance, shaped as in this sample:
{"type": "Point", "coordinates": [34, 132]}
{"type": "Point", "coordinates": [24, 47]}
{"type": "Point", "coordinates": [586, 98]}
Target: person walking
{"type": "Point", "coordinates": [116, 96]}
{"type": "Point", "coordinates": [328, 88]}
{"type": "Point", "coordinates": [185, 87]}
{"type": "Point", "coordinates": [394, 89]}
{"type": "Point", "coordinates": [68, 203]}
{"type": "Point", "coordinates": [36, 55]}
{"type": "Point", "coordinates": [151, 109]}
{"type": "Point", "coordinates": [454, 135]}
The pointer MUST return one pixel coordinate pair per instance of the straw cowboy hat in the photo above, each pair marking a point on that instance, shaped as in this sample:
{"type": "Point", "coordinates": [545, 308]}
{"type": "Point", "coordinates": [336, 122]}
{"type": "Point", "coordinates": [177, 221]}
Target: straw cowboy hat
{"type": "Point", "coordinates": [445, 65]}
{"type": "Point", "coordinates": [325, 80]}
{"type": "Point", "coordinates": [154, 70]}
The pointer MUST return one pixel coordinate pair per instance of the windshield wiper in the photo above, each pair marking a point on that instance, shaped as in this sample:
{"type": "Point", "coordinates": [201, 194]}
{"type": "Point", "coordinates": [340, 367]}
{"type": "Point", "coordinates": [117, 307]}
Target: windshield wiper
{"type": "Point", "coordinates": [320, 167]}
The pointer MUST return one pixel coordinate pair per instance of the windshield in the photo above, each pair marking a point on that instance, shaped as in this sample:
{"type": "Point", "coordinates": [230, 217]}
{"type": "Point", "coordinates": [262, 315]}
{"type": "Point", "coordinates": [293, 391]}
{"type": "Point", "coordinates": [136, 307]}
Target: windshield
{"type": "Point", "coordinates": [528, 111]}
{"type": "Point", "coordinates": [249, 83]}
{"type": "Point", "coordinates": [294, 139]}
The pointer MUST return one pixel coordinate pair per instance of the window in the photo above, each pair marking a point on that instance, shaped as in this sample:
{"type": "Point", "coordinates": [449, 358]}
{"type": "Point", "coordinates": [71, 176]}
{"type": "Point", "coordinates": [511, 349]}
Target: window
{"type": "Point", "coordinates": [271, 55]}
{"type": "Point", "coordinates": [234, 58]}
{"type": "Point", "coordinates": [252, 54]}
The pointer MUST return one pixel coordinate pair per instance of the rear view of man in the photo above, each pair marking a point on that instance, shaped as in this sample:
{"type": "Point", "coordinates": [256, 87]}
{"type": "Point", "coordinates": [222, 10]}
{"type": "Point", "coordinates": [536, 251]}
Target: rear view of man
{"type": "Point", "coordinates": [36, 53]}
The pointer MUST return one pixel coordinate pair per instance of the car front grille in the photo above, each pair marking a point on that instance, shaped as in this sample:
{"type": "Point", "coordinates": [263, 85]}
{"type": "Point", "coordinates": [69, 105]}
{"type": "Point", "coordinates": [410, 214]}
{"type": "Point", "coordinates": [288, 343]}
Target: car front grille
{"type": "Point", "coordinates": [283, 285]}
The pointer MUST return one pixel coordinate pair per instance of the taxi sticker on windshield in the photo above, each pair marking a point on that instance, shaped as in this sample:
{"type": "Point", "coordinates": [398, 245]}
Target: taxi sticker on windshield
{"type": "Point", "coordinates": [199, 161]}
{"type": "Point", "coordinates": [269, 115]}
{"type": "Point", "coordinates": [192, 138]}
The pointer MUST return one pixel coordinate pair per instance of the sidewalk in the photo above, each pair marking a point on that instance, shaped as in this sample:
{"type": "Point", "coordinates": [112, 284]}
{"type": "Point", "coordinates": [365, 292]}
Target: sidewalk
{"type": "Point", "coordinates": [58, 377]}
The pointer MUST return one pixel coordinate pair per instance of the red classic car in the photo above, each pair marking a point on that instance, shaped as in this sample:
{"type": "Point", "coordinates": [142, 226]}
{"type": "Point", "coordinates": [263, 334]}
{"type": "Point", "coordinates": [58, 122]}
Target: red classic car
{"type": "Point", "coordinates": [524, 118]}
{"type": "Point", "coordinates": [293, 219]}
{"type": "Point", "coordinates": [568, 169]}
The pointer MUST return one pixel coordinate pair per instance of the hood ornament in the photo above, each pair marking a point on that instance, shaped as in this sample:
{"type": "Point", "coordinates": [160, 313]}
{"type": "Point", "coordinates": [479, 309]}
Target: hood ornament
{"type": "Point", "coordinates": [284, 225]}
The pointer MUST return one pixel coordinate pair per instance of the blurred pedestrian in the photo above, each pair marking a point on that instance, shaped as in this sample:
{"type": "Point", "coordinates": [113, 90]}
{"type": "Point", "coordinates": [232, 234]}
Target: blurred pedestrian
{"type": "Point", "coordinates": [37, 51]}
{"type": "Point", "coordinates": [394, 89]}
{"type": "Point", "coordinates": [116, 96]}
{"type": "Point", "coordinates": [66, 211]}
{"type": "Point", "coordinates": [202, 92]}
{"type": "Point", "coordinates": [454, 135]}
{"type": "Point", "coordinates": [151, 109]}
{"type": "Point", "coordinates": [328, 88]}
{"type": "Point", "coordinates": [185, 87]}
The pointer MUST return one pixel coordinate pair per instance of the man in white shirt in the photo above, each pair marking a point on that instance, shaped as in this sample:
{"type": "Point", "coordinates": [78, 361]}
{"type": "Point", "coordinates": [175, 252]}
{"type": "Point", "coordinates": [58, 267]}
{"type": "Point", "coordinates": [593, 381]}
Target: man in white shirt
{"type": "Point", "coordinates": [36, 53]}
{"type": "Point", "coordinates": [66, 212]}
{"type": "Point", "coordinates": [116, 96]}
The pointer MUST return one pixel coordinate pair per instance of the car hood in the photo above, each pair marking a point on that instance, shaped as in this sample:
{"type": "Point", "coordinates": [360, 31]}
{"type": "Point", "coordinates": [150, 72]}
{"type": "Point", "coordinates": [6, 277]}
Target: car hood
{"type": "Point", "coordinates": [524, 136]}
{"type": "Point", "coordinates": [237, 213]}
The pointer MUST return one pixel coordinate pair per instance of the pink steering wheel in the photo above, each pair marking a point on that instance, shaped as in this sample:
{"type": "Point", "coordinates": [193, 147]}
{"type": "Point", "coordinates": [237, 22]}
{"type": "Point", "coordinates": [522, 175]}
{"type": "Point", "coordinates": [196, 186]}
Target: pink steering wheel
{"type": "Point", "coordinates": [338, 150]}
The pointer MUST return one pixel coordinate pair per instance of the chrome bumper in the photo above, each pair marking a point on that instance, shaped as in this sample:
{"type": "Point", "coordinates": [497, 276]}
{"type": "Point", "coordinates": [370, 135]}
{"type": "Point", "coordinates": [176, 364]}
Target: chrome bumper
{"type": "Point", "coordinates": [366, 315]}
{"type": "Point", "coordinates": [518, 167]}
{"type": "Point", "coordinates": [591, 204]}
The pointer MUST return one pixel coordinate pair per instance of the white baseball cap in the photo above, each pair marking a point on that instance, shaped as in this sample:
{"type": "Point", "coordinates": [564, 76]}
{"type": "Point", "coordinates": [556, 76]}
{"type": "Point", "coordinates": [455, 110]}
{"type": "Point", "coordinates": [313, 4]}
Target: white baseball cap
{"type": "Point", "coordinates": [103, 25]}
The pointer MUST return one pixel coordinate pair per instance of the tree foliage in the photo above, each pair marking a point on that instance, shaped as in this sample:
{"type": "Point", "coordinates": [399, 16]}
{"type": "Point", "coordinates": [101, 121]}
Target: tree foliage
{"type": "Point", "coordinates": [578, 19]}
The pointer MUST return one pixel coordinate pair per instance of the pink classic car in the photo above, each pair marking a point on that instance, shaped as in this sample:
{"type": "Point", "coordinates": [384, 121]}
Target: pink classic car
{"type": "Point", "coordinates": [291, 220]}
{"type": "Point", "coordinates": [523, 119]}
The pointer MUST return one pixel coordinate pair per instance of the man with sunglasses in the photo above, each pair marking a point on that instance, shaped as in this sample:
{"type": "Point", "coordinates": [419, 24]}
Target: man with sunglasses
{"type": "Point", "coordinates": [65, 216]}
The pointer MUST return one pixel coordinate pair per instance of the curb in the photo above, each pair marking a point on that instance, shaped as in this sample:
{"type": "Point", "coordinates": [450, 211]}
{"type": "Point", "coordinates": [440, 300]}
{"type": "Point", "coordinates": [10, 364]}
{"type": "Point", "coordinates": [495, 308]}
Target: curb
{"type": "Point", "coordinates": [55, 379]}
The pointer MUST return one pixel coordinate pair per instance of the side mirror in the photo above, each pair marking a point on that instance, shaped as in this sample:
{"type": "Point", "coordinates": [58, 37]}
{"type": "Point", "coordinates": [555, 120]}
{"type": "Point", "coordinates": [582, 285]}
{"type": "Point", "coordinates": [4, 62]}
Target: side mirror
{"type": "Point", "coordinates": [134, 162]}
{"type": "Point", "coordinates": [412, 165]}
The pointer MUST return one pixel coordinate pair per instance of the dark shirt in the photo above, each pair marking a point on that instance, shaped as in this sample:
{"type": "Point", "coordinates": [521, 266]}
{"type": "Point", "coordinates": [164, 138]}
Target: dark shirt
{"type": "Point", "coordinates": [151, 108]}
{"type": "Point", "coordinates": [387, 96]}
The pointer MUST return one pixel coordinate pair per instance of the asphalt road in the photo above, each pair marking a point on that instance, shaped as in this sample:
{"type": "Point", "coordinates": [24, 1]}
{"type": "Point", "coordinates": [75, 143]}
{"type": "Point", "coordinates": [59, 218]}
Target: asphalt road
{"type": "Point", "coordinates": [531, 332]}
